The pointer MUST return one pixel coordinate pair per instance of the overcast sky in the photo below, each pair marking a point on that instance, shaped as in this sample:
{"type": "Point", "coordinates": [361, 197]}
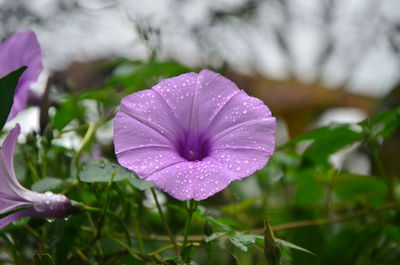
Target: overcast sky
{"type": "Point", "coordinates": [189, 32]}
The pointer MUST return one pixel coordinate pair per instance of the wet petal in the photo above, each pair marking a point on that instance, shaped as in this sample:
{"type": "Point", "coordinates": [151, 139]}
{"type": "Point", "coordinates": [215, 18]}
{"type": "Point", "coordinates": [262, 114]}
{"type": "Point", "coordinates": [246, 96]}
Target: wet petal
{"type": "Point", "coordinates": [150, 109]}
{"type": "Point", "coordinates": [22, 49]}
{"type": "Point", "coordinates": [141, 148]}
{"type": "Point", "coordinates": [192, 180]}
{"type": "Point", "coordinates": [215, 91]}
{"type": "Point", "coordinates": [240, 109]}
{"type": "Point", "coordinates": [178, 93]}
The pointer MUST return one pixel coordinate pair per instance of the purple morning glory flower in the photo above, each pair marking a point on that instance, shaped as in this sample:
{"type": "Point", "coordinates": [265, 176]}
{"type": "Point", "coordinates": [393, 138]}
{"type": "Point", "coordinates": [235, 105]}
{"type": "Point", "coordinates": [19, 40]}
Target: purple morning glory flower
{"type": "Point", "coordinates": [13, 196]}
{"type": "Point", "coordinates": [22, 49]}
{"type": "Point", "coordinates": [193, 134]}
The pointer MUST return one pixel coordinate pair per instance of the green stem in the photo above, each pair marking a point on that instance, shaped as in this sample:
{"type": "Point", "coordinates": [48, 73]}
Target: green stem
{"type": "Point", "coordinates": [379, 166]}
{"type": "Point", "coordinates": [44, 163]}
{"type": "Point", "coordinates": [33, 171]}
{"type": "Point", "coordinates": [86, 139]}
{"type": "Point", "coordinates": [190, 208]}
{"type": "Point", "coordinates": [131, 251]}
{"type": "Point", "coordinates": [138, 234]}
{"type": "Point", "coordinates": [210, 253]}
{"type": "Point", "coordinates": [164, 220]}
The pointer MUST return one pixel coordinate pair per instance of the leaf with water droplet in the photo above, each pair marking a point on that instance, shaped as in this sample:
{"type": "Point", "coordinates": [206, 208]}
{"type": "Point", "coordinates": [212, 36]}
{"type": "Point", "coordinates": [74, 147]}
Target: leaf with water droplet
{"type": "Point", "coordinates": [215, 236]}
{"type": "Point", "coordinates": [243, 241]}
{"type": "Point", "coordinates": [101, 170]}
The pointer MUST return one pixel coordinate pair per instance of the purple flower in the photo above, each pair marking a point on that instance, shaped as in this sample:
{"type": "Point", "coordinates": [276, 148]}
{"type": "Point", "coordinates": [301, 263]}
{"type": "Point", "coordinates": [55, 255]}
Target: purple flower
{"type": "Point", "coordinates": [13, 196]}
{"type": "Point", "coordinates": [22, 49]}
{"type": "Point", "coordinates": [193, 134]}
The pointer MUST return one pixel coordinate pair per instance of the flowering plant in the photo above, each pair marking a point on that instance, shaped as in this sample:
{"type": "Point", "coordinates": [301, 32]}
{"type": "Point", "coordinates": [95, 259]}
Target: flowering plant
{"type": "Point", "coordinates": [193, 134]}
{"type": "Point", "coordinates": [149, 176]}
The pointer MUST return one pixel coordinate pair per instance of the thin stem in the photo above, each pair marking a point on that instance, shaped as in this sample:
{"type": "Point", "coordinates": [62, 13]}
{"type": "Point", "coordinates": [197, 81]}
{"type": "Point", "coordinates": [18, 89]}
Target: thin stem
{"type": "Point", "coordinates": [36, 234]}
{"type": "Point", "coordinates": [190, 208]}
{"type": "Point", "coordinates": [78, 128]}
{"type": "Point", "coordinates": [138, 234]}
{"type": "Point", "coordinates": [326, 221]}
{"type": "Point", "coordinates": [167, 247]}
{"type": "Point", "coordinates": [33, 171]}
{"type": "Point", "coordinates": [379, 166]}
{"type": "Point", "coordinates": [131, 251]}
{"type": "Point", "coordinates": [44, 163]}
{"type": "Point", "coordinates": [86, 139]}
{"type": "Point", "coordinates": [164, 220]}
{"type": "Point", "coordinates": [294, 225]}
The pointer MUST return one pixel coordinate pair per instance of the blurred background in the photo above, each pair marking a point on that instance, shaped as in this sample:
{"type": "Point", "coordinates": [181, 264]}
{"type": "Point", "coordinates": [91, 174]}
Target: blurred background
{"type": "Point", "coordinates": [331, 53]}
{"type": "Point", "coordinates": [313, 62]}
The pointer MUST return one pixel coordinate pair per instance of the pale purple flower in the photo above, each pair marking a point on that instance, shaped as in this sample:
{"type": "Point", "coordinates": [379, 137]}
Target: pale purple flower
{"type": "Point", "coordinates": [15, 197]}
{"type": "Point", "coordinates": [22, 49]}
{"type": "Point", "coordinates": [193, 134]}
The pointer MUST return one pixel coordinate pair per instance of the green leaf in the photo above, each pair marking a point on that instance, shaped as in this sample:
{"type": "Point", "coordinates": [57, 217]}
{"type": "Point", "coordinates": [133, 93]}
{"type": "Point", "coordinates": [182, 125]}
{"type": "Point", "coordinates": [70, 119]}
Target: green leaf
{"type": "Point", "coordinates": [8, 84]}
{"type": "Point", "coordinates": [46, 184]}
{"type": "Point", "coordinates": [309, 190]}
{"type": "Point", "coordinates": [293, 246]}
{"type": "Point", "coordinates": [43, 259]}
{"type": "Point", "coordinates": [323, 133]}
{"type": "Point", "coordinates": [326, 141]}
{"type": "Point", "coordinates": [215, 236]}
{"type": "Point", "coordinates": [139, 183]}
{"type": "Point", "coordinates": [101, 170]}
{"type": "Point", "coordinates": [338, 138]}
{"type": "Point", "coordinates": [243, 241]}
{"type": "Point", "coordinates": [367, 189]}
{"type": "Point", "coordinates": [68, 111]}
{"type": "Point", "coordinates": [383, 124]}
{"type": "Point", "coordinates": [392, 232]}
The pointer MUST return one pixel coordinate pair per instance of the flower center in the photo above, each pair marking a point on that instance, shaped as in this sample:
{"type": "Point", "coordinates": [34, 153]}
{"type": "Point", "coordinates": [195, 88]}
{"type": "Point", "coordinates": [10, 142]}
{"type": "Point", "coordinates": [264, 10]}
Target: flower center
{"type": "Point", "coordinates": [194, 149]}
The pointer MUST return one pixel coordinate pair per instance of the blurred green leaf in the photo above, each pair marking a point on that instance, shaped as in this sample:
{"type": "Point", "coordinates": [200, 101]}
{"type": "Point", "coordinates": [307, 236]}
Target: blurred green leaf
{"type": "Point", "coordinates": [365, 189]}
{"type": "Point", "coordinates": [234, 208]}
{"type": "Point", "coordinates": [326, 141]}
{"type": "Point", "coordinates": [309, 190]}
{"type": "Point", "coordinates": [47, 184]}
{"type": "Point", "coordinates": [101, 170]}
{"type": "Point", "coordinates": [393, 233]}
{"type": "Point", "coordinates": [66, 112]}
{"type": "Point", "coordinates": [137, 75]}
{"type": "Point", "coordinates": [384, 124]}
{"type": "Point", "coordinates": [8, 84]}
{"type": "Point", "coordinates": [321, 134]}
{"type": "Point", "coordinates": [139, 183]}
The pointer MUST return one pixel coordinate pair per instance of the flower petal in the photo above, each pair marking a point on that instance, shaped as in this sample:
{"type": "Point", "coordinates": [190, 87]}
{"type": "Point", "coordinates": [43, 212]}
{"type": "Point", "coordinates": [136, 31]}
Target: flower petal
{"type": "Point", "coordinates": [240, 109]}
{"type": "Point", "coordinates": [141, 148]}
{"type": "Point", "coordinates": [15, 216]}
{"type": "Point", "coordinates": [21, 50]}
{"type": "Point", "coordinates": [215, 91]}
{"type": "Point", "coordinates": [8, 203]}
{"type": "Point", "coordinates": [9, 184]}
{"type": "Point", "coordinates": [192, 180]}
{"type": "Point", "coordinates": [178, 93]}
{"type": "Point", "coordinates": [246, 147]}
